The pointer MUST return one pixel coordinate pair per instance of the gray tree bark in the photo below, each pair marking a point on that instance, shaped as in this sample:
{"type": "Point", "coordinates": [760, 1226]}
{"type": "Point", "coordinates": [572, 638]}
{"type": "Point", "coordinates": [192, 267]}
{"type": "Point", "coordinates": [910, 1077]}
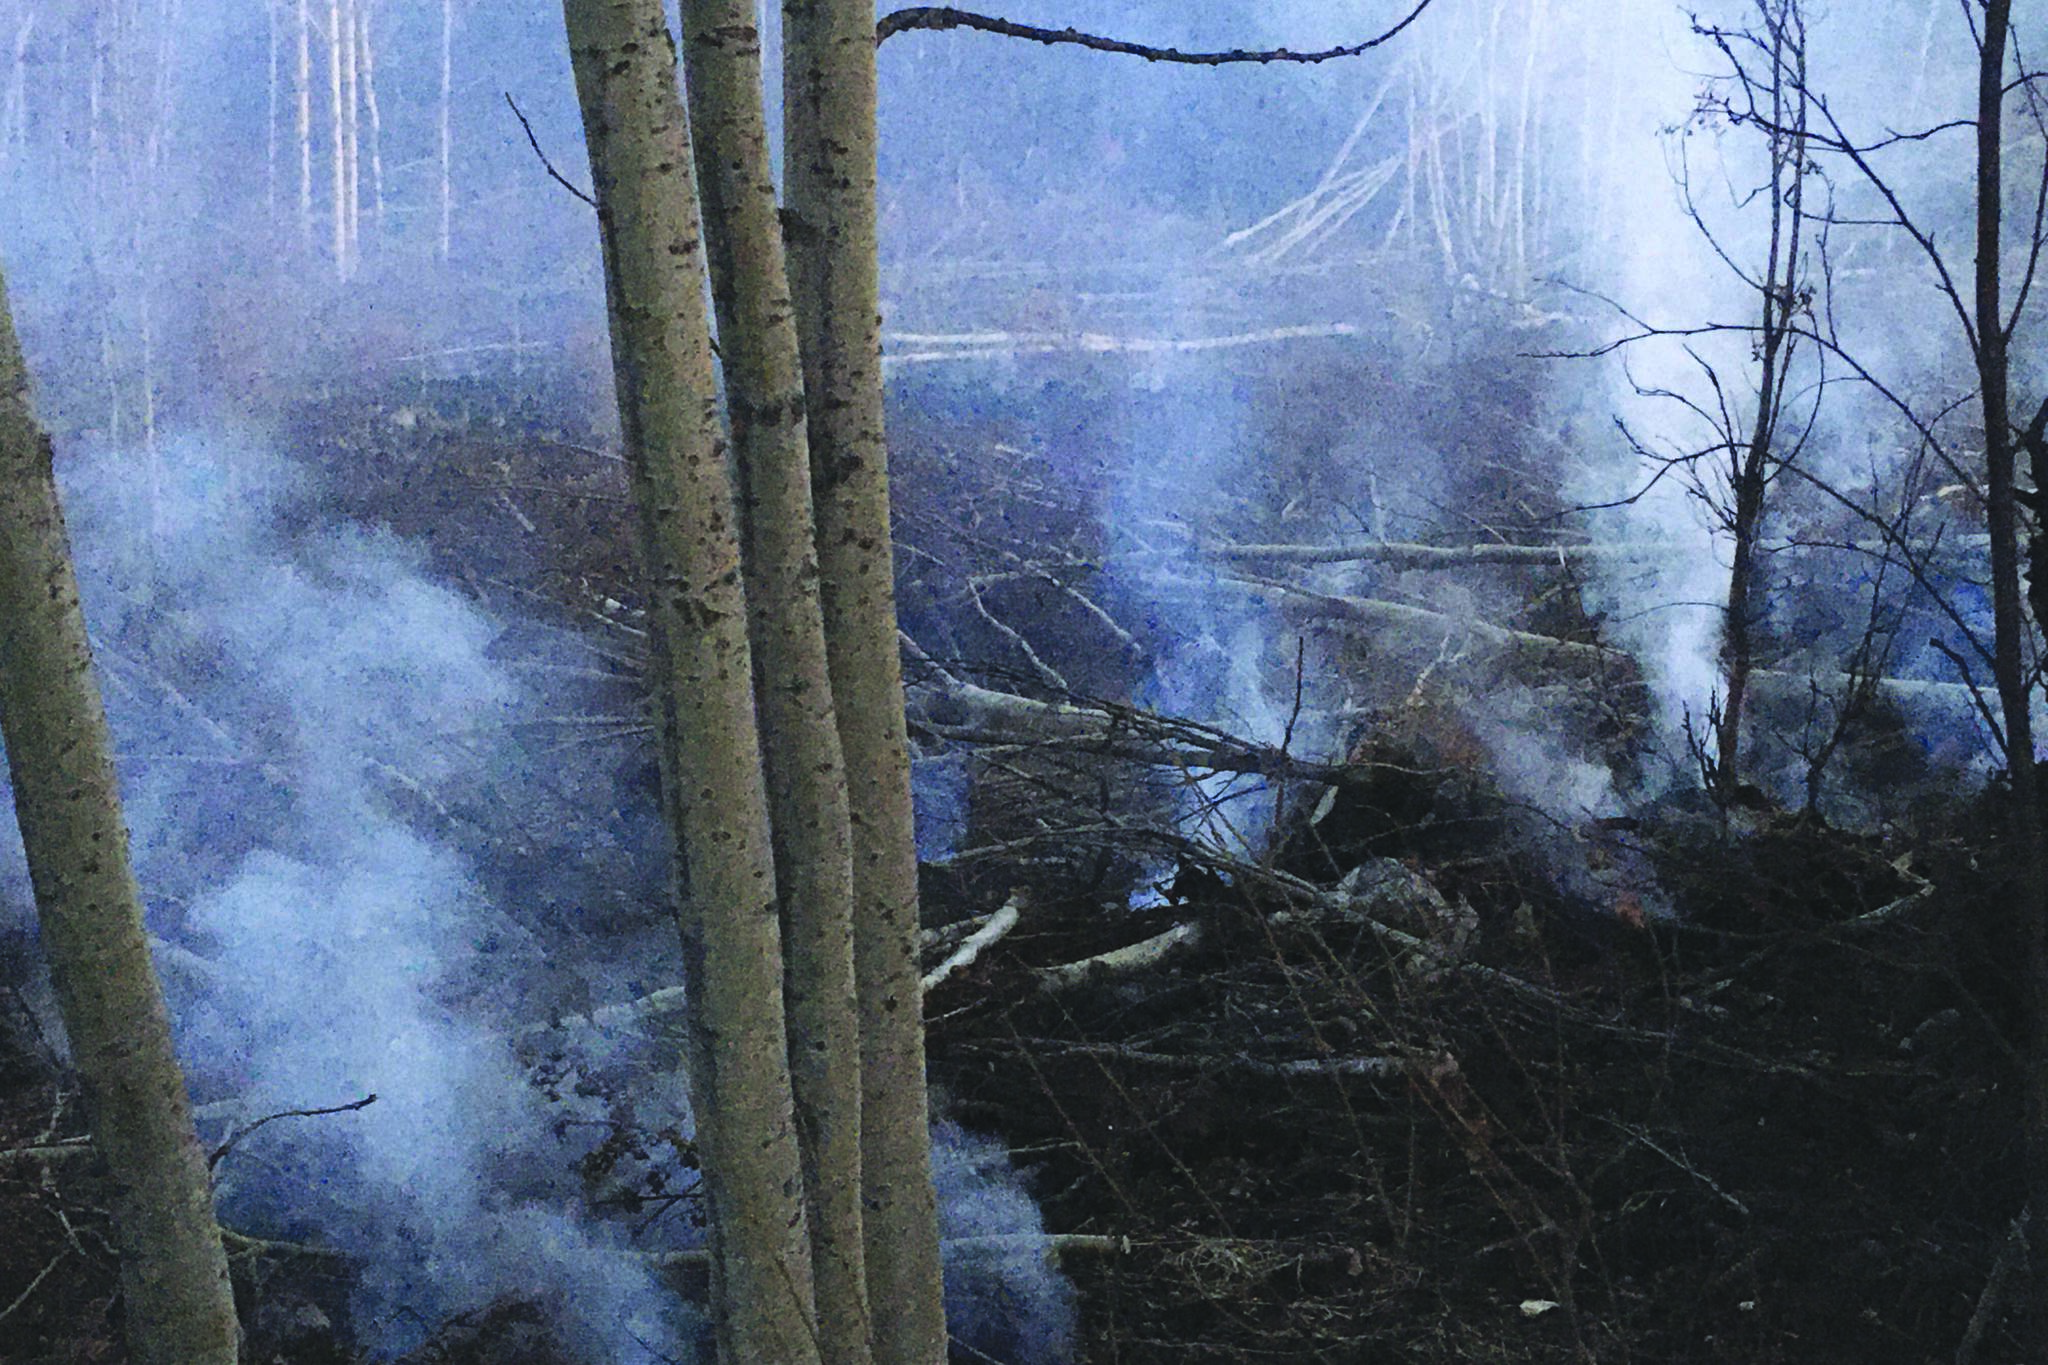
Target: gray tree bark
{"type": "Point", "coordinates": [800, 746]}
{"type": "Point", "coordinates": [178, 1306]}
{"type": "Point", "coordinates": [640, 166]}
{"type": "Point", "coordinates": [829, 177]}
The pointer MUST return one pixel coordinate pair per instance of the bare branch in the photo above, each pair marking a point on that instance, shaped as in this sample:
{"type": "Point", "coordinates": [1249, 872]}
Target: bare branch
{"type": "Point", "coordinates": [248, 1128]}
{"type": "Point", "coordinates": [937, 18]}
{"type": "Point", "coordinates": [548, 165]}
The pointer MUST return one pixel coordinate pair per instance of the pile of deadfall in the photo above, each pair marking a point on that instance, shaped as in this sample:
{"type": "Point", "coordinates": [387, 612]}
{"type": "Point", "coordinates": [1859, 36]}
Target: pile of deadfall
{"type": "Point", "coordinates": [1420, 1075]}
{"type": "Point", "coordinates": [1435, 1081]}
{"type": "Point", "coordinates": [1351, 1103]}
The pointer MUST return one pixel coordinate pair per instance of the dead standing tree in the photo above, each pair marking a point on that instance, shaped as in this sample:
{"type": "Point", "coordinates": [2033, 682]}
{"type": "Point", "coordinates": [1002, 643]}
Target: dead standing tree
{"type": "Point", "coordinates": [1752, 463]}
{"type": "Point", "coordinates": [1753, 437]}
{"type": "Point", "coordinates": [1990, 328]}
{"type": "Point", "coordinates": [1987, 316]}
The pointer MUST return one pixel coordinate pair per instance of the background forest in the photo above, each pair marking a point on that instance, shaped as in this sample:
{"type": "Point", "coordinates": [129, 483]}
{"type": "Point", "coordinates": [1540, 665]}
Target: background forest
{"type": "Point", "coordinates": [1461, 714]}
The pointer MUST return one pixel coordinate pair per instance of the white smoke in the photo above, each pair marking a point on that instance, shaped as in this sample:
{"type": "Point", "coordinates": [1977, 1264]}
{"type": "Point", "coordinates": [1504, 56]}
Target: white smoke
{"type": "Point", "coordinates": [373, 867]}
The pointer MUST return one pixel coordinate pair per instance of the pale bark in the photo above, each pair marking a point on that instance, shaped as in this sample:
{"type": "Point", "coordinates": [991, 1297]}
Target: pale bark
{"type": "Point", "coordinates": [1405, 557]}
{"type": "Point", "coordinates": [351, 127]}
{"type": "Point", "coordinates": [937, 348]}
{"type": "Point", "coordinates": [270, 108]}
{"type": "Point", "coordinates": [1134, 957]}
{"type": "Point", "coordinates": [179, 1307]}
{"type": "Point", "coordinates": [337, 149]}
{"type": "Point", "coordinates": [975, 944]}
{"type": "Point", "coordinates": [829, 122]}
{"type": "Point", "coordinates": [641, 177]}
{"type": "Point", "coordinates": [444, 143]}
{"type": "Point", "coordinates": [17, 95]}
{"type": "Point", "coordinates": [376, 114]}
{"type": "Point", "coordinates": [305, 126]}
{"type": "Point", "coordinates": [805, 766]}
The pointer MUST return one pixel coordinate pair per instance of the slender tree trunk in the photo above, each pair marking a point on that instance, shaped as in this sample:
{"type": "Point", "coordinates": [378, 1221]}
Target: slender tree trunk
{"type": "Point", "coordinates": [270, 110]}
{"type": "Point", "coordinates": [1520, 206]}
{"type": "Point", "coordinates": [96, 199]}
{"type": "Point", "coordinates": [305, 127]}
{"type": "Point", "coordinates": [338, 139]}
{"type": "Point", "coordinates": [1750, 474]}
{"type": "Point", "coordinates": [376, 114]}
{"type": "Point", "coordinates": [179, 1307]}
{"type": "Point", "coordinates": [351, 104]}
{"type": "Point", "coordinates": [640, 166]}
{"type": "Point", "coordinates": [829, 118]}
{"type": "Point", "coordinates": [445, 143]}
{"type": "Point", "coordinates": [793, 686]}
{"type": "Point", "coordinates": [2029, 864]}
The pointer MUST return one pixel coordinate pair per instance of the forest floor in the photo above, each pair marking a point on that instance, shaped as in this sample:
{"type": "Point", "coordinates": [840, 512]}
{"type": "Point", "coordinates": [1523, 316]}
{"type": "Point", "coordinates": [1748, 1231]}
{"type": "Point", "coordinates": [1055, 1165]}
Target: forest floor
{"type": "Point", "coordinates": [1419, 1076]}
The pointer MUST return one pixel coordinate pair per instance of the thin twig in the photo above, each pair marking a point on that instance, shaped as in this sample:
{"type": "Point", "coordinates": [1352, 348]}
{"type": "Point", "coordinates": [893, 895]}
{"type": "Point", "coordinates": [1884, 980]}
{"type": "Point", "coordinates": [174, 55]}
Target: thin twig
{"type": "Point", "coordinates": [244, 1131]}
{"type": "Point", "coordinates": [35, 1284]}
{"type": "Point", "coordinates": [548, 165]}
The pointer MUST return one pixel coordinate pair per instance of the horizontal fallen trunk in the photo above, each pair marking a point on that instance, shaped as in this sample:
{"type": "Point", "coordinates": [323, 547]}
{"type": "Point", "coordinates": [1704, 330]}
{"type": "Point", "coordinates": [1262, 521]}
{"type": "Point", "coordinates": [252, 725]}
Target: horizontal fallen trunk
{"type": "Point", "coordinates": [52, 1153]}
{"type": "Point", "coordinates": [1118, 961]}
{"type": "Point", "coordinates": [1051, 1245]}
{"type": "Point", "coordinates": [657, 1005]}
{"type": "Point", "coordinates": [1400, 616]}
{"type": "Point", "coordinates": [1406, 556]}
{"type": "Point", "coordinates": [1430, 1065]}
{"type": "Point", "coordinates": [653, 1005]}
{"type": "Point", "coordinates": [928, 348]}
{"type": "Point", "coordinates": [999, 924]}
{"type": "Point", "coordinates": [1398, 555]}
{"type": "Point", "coordinates": [956, 709]}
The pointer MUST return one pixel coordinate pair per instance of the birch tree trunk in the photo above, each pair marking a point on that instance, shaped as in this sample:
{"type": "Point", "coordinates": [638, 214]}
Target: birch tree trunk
{"type": "Point", "coordinates": [640, 171]}
{"type": "Point", "coordinates": [270, 111]}
{"type": "Point", "coordinates": [338, 139]}
{"type": "Point", "coordinates": [351, 123]}
{"type": "Point", "coordinates": [376, 114]}
{"type": "Point", "coordinates": [305, 126]}
{"type": "Point", "coordinates": [444, 143]}
{"type": "Point", "coordinates": [179, 1306]}
{"type": "Point", "coordinates": [800, 737]}
{"type": "Point", "coordinates": [829, 173]}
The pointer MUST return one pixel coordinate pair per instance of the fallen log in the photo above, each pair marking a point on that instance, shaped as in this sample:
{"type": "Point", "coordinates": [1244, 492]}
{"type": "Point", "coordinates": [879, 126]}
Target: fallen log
{"type": "Point", "coordinates": [1398, 555]}
{"type": "Point", "coordinates": [1401, 616]}
{"type": "Point", "coordinates": [1000, 923]}
{"type": "Point", "coordinates": [1051, 1245]}
{"type": "Point", "coordinates": [927, 348]}
{"type": "Point", "coordinates": [1407, 556]}
{"type": "Point", "coordinates": [49, 1153]}
{"type": "Point", "coordinates": [1396, 617]}
{"type": "Point", "coordinates": [1429, 1065]}
{"type": "Point", "coordinates": [1130, 958]}
{"type": "Point", "coordinates": [952, 708]}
